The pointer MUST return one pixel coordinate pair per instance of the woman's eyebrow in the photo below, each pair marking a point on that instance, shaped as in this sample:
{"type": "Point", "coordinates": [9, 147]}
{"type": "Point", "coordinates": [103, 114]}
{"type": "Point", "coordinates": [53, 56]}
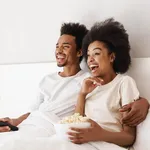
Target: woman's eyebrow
{"type": "Point", "coordinates": [97, 48]}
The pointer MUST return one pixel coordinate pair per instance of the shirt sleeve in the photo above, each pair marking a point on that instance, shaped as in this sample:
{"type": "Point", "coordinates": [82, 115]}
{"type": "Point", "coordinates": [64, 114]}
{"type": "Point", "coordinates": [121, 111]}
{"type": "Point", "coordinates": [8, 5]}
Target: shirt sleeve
{"type": "Point", "coordinates": [129, 92]}
{"type": "Point", "coordinates": [39, 98]}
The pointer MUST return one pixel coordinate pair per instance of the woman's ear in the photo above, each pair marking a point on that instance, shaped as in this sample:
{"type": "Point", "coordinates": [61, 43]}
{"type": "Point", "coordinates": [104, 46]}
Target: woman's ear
{"type": "Point", "coordinates": [112, 57]}
{"type": "Point", "coordinates": [79, 53]}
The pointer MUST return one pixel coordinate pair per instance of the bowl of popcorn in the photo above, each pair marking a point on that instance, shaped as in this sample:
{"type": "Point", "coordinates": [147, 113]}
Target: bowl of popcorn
{"type": "Point", "coordinates": [75, 121]}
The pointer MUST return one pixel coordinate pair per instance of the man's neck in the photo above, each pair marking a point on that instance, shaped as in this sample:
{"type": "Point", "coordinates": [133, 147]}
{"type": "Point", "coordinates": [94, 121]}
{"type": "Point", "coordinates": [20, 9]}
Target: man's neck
{"type": "Point", "coordinates": [69, 71]}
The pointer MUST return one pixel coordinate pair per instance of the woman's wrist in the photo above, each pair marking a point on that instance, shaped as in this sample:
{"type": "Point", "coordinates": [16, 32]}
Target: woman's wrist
{"type": "Point", "coordinates": [83, 94]}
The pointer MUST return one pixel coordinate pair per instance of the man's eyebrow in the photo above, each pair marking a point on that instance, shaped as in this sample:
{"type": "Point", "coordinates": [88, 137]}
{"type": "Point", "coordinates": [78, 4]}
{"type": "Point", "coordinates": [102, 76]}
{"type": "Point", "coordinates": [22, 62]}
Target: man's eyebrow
{"type": "Point", "coordinates": [64, 43]}
{"type": "Point", "coordinates": [67, 43]}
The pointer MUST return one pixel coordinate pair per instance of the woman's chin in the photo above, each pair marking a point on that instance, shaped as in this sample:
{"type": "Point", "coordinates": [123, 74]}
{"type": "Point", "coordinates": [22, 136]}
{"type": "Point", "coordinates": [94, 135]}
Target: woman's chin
{"type": "Point", "coordinates": [95, 75]}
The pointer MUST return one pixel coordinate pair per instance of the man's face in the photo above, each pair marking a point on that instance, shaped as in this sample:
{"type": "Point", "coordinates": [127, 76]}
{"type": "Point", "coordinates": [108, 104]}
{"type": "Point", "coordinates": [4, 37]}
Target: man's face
{"type": "Point", "coordinates": [66, 53]}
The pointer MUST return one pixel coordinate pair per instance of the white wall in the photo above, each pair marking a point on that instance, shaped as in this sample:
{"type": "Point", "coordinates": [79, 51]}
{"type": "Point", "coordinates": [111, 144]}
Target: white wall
{"type": "Point", "coordinates": [19, 86]}
{"type": "Point", "coordinates": [29, 28]}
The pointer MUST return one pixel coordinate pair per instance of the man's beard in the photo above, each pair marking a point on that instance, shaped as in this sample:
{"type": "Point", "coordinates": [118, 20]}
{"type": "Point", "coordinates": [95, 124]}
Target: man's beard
{"type": "Point", "coordinates": [61, 65]}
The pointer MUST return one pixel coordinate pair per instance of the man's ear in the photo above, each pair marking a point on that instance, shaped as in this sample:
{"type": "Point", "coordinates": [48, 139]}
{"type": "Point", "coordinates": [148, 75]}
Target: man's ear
{"type": "Point", "coordinates": [112, 57]}
{"type": "Point", "coordinates": [79, 53]}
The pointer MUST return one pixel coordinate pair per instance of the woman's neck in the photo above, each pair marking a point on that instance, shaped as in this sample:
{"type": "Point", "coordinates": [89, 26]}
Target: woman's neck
{"type": "Point", "coordinates": [109, 77]}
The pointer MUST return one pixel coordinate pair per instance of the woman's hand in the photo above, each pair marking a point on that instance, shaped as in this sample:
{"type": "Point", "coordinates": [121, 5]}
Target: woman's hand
{"type": "Point", "coordinates": [87, 134]}
{"type": "Point", "coordinates": [90, 84]}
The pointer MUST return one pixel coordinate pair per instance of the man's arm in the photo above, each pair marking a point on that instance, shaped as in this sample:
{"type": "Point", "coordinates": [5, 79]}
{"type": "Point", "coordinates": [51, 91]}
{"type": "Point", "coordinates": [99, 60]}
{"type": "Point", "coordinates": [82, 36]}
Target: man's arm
{"type": "Point", "coordinates": [136, 112]}
{"type": "Point", "coordinates": [17, 121]}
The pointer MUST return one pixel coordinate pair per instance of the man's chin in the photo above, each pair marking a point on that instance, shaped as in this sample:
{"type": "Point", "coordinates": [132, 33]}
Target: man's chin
{"type": "Point", "coordinates": [60, 65]}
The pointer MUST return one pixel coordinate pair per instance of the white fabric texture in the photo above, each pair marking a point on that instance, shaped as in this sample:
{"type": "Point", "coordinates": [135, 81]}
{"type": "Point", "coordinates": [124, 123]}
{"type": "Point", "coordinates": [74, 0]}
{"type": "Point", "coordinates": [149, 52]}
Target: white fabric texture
{"type": "Point", "coordinates": [57, 98]}
{"type": "Point", "coordinates": [102, 105]}
{"type": "Point", "coordinates": [142, 135]}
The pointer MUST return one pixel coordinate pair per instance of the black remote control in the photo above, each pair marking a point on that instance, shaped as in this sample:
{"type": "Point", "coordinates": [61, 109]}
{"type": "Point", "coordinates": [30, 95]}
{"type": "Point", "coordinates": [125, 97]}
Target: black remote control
{"type": "Point", "coordinates": [13, 128]}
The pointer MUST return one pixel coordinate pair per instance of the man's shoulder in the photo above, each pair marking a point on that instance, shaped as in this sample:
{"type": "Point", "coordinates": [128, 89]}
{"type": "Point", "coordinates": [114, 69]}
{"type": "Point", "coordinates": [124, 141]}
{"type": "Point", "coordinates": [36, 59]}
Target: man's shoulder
{"type": "Point", "coordinates": [82, 75]}
{"type": "Point", "coordinates": [51, 76]}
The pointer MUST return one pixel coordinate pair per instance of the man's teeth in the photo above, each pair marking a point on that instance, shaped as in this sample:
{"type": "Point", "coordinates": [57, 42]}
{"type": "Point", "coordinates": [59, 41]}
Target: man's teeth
{"type": "Point", "coordinates": [60, 57]}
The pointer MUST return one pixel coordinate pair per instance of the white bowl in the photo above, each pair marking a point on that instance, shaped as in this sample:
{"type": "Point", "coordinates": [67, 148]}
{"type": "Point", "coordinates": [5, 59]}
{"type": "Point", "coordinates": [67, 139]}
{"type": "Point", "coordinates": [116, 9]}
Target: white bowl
{"type": "Point", "coordinates": [62, 129]}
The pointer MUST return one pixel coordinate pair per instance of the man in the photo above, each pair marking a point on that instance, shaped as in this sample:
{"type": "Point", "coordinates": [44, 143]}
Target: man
{"type": "Point", "coordinates": [58, 91]}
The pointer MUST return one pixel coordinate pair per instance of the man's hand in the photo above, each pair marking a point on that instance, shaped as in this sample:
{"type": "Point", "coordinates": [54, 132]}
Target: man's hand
{"type": "Point", "coordinates": [6, 128]}
{"type": "Point", "coordinates": [85, 135]}
{"type": "Point", "coordinates": [136, 112]}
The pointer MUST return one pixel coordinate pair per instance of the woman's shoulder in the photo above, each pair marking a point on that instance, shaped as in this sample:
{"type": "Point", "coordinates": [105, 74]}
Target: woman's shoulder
{"type": "Point", "coordinates": [127, 80]}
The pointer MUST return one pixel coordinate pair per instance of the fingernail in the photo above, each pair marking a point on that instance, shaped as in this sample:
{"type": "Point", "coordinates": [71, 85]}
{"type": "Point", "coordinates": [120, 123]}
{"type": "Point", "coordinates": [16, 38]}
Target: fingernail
{"type": "Point", "coordinates": [124, 106]}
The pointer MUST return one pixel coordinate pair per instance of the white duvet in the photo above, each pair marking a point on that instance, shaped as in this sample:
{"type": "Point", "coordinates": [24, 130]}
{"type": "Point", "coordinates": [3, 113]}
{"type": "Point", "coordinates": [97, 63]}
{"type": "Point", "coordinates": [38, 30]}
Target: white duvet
{"type": "Point", "coordinates": [37, 133]}
{"type": "Point", "coordinates": [53, 143]}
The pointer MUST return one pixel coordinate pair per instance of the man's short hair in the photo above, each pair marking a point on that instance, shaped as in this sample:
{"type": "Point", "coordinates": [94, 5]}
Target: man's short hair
{"type": "Point", "coordinates": [77, 30]}
{"type": "Point", "coordinates": [115, 38]}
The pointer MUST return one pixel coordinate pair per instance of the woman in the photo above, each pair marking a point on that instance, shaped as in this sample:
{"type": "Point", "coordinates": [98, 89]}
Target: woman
{"type": "Point", "coordinates": [106, 48]}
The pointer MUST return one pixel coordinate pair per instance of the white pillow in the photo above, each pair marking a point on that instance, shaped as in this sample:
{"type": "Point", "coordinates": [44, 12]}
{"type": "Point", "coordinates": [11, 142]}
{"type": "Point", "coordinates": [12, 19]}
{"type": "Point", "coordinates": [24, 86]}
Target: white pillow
{"type": "Point", "coordinates": [143, 135]}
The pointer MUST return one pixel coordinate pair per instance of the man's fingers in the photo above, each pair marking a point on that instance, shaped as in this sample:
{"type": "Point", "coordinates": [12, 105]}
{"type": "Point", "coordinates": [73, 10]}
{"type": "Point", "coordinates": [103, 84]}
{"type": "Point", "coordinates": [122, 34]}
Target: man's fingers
{"type": "Point", "coordinates": [4, 129]}
{"type": "Point", "coordinates": [135, 121]}
{"type": "Point", "coordinates": [134, 117]}
{"type": "Point", "coordinates": [125, 108]}
{"type": "Point", "coordinates": [6, 119]}
{"type": "Point", "coordinates": [129, 115]}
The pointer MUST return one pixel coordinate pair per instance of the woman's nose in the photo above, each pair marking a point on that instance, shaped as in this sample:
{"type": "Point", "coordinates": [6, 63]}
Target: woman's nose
{"type": "Point", "coordinates": [90, 59]}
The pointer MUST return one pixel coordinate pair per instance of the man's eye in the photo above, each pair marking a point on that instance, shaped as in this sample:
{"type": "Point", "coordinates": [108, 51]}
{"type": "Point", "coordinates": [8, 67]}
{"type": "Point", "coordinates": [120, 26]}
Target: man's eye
{"type": "Point", "coordinates": [66, 46]}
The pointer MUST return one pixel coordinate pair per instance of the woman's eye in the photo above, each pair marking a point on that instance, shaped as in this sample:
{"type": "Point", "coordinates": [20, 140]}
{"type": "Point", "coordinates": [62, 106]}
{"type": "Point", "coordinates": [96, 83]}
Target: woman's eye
{"type": "Point", "coordinates": [97, 54]}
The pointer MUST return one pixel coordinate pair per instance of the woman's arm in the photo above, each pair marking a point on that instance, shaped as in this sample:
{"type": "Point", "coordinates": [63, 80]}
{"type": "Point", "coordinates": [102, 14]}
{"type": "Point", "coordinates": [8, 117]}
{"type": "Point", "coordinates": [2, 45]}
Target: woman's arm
{"type": "Point", "coordinates": [80, 104]}
{"type": "Point", "coordinates": [88, 86]}
{"type": "Point", "coordinates": [124, 138]}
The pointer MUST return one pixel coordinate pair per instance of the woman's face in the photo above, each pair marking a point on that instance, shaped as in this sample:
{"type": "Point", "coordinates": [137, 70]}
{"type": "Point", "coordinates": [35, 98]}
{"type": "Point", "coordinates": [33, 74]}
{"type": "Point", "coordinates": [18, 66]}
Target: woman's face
{"type": "Point", "coordinates": [100, 60]}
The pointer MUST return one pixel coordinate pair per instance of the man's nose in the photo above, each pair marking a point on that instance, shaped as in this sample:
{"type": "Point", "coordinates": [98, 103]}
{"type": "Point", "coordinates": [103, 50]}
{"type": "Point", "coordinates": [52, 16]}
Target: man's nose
{"type": "Point", "coordinates": [60, 49]}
